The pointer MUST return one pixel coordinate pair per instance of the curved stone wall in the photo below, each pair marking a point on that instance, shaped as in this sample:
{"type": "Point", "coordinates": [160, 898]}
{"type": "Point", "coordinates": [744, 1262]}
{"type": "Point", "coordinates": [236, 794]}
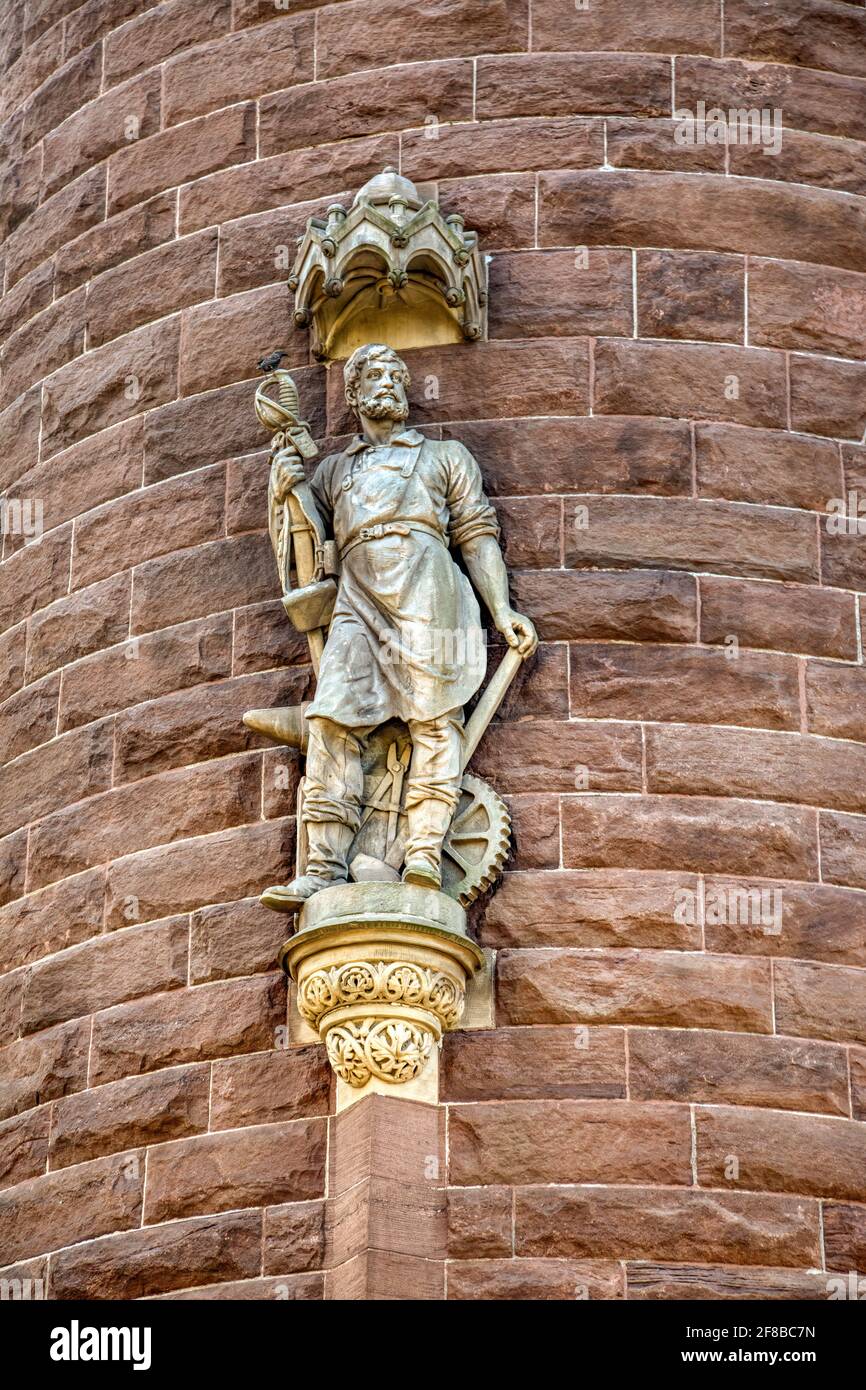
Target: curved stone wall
{"type": "Point", "coordinates": [672, 396]}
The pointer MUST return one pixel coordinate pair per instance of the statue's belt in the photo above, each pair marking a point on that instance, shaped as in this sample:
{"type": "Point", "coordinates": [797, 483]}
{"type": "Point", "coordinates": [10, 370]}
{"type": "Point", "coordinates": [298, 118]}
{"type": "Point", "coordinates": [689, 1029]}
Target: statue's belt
{"type": "Point", "coordinates": [389, 528]}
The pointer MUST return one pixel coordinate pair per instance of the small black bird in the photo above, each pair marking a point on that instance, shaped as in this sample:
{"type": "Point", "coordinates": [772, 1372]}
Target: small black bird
{"type": "Point", "coordinates": [272, 361]}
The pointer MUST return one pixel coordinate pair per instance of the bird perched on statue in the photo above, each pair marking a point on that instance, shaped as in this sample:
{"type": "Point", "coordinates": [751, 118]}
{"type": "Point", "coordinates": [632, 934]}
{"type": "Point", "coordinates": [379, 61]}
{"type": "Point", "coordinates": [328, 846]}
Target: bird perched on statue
{"type": "Point", "coordinates": [272, 361]}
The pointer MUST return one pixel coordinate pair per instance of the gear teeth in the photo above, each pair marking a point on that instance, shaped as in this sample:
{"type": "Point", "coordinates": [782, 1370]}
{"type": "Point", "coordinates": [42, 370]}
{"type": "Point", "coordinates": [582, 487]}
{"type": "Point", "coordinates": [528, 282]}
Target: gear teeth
{"type": "Point", "coordinates": [483, 875]}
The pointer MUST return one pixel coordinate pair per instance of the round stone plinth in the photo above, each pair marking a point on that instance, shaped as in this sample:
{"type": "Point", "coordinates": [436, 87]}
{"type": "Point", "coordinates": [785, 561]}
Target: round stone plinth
{"type": "Point", "coordinates": [381, 971]}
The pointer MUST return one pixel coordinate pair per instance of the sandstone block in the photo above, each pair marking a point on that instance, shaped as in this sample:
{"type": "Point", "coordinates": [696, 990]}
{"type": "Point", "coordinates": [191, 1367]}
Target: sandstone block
{"type": "Point", "coordinates": [691, 684]}
{"type": "Point", "coordinates": [24, 1146]}
{"type": "Point", "coordinates": [184, 876]}
{"type": "Point", "coordinates": [623, 1223]}
{"type": "Point", "coordinates": [71, 86]}
{"type": "Point", "coordinates": [823, 36]}
{"type": "Point", "coordinates": [105, 971]}
{"type": "Point", "coordinates": [480, 1222]}
{"type": "Point", "coordinates": [124, 378]}
{"type": "Point", "coordinates": [744, 385]}
{"type": "Point", "coordinates": [294, 1237]}
{"type": "Point", "coordinates": [160, 32]}
{"type": "Point", "coordinates": [145, 668]}
{"type": "Point", "coordinates": [681, 533]}
{"type": "Point", "coordinates": [535, 1280]}
{"type": "Point", "coordinates": [102, 467]}
{"type": "Point", "coordinates": [748, 465]}
{"type": "Point", "coordinates": [599, 453]}
{"type": "Point", "coordinates": [100, 128]}
{"type": "Point", "coordinates": [441, 29]}
{"type": "Point", "coordinates": [677, 989]}
{"type": "Point", "coordinates": [768, 766]}
{"type": "Point", "coordinates": [683, 210]}
{"type": "Point", "coordinates": [262, 1165]}
{"type": "Point", "coordinates": [44, 1066]}
{"type": "Point", "coordinates": [270, 1086]}
{"type": "Point", "coordinates": [799, 618]}
{"type": "Point", "coordinates": [534, 831]}
{"type": "Point", "coordinates": [172, 806]}
{"type": "Point", "coordinates": [223, 340]}
{"type": "Point", "coordinates": [541, 755]}
{"type": "Point", "coordinates": [204, 722]}
{"type": "Point", "coordinates": [693, 833]}
{"type": "Point", "coordinates": [843, 848]}
{"type": "Point", "coordinates": [363, 103]}
{"type": "Point", "coordinates": [736, 1069]}
{"type": "Point", "coordinates": [29, 717]}
{"type": "Point", "coordinates": [138, 1264]}
{"type": "Point", "coordinates": [637, 143]}
{"type": "Point", "coordinates": [501, 207]}
{"type": "Point", "coordinates": [844, 1235]}
{"type": "Point", "coordinates": [646, 1280]}
{"type": "Point", "coordinates": [764, 917]}
{"type": "Point", "coordinates": [51, 920]}
{"type": "Point", "coordinates": [779, 1152]}
{"type": "Point", "coordinates": [232, 939]}
{"type": "Point", "coordinates": [811, 99]}
{"type": "Point", "coordinates": [334, 172]}
{"type": "Point", "coordinates": [55, 336]}
{"type": "Point", "coordinates": [795, 306]}
{"type": "Point", "coordinates": [60, 219]}
{"type": "Point", "coordinates": [495, 146]}
{"type": "Point", "coordinates": [74, 627]}
{"type": "Point", "coordinates": [34, 576]}
{"type": "Point", "coordinates": [690, 295]}
{"type": "Point", "coordinates": [812, 159]}
{"type": "Point", "coordinates": [65, 770]}
{"type": "Point", "coordinates": [549, 1141]}
{"type": "Point", "coordinates": [540, 294]}
{"type": "Point", "coordinates": [672, 26]}
{"type": "Point", "coordinates": [827, 397]}
{"type": "Point", "coordinates": [152, 285]}
{"type": "Point", "coordinates": [187, 1026]}
{"type": "Point", "coordinates": [204, 579]}
{"type": "Point", "coordinates": [589, 908]}
{"type": "Point", "coordinates": [181, 154]}
{"type": "Point", "coordinates": [140, 1110]}
{"type": "Point", "coordinates": [110, 243]}
{"type": "Point", "coordinates": [238, 67]}
{"type": "Point", "coordinates": [75, 1204]}
{"type": "Point", "coordinates": [562, 84]}
{"type": "Point", "coordinates": [534, 1064]}
{"type": "Point", "coordinates": [820, 1001]}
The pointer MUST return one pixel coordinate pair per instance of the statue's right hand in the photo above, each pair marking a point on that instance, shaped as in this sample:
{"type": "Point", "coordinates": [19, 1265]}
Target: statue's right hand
{"type": "Point", "coordinates": [286, 471]}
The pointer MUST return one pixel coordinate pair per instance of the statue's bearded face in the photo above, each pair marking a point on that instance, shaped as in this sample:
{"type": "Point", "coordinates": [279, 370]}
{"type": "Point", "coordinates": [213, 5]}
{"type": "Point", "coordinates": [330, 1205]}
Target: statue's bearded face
{"type": "Point", "coordinates": [382, 389]}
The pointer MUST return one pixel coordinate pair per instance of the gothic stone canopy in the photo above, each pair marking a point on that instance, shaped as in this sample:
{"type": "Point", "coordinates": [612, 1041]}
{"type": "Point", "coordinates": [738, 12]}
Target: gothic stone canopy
{"type": "Point", "coordinates": [393, 268]}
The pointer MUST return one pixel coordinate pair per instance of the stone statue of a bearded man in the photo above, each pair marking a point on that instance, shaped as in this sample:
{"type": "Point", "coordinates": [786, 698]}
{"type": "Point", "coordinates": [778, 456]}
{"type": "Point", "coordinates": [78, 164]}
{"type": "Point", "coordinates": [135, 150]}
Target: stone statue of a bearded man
{"type": "Point", "coordinates": [405, 639]}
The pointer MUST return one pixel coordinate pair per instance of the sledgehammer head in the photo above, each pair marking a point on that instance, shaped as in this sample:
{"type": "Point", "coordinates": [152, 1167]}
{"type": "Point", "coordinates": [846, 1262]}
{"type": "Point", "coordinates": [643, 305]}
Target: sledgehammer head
{"type": "Point", "coordinates": [285, 724]}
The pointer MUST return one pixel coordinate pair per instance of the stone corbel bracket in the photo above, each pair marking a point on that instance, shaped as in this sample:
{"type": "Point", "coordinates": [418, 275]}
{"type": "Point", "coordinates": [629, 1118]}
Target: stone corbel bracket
{"type": "Point", "coordinates": [393, 268]}
{"type": "Point", "coordinates": [381, 971]}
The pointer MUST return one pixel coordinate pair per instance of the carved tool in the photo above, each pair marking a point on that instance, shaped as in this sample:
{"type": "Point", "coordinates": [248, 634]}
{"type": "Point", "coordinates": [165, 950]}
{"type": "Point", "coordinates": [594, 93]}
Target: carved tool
{"type": "Point", "coordinates": [300, 527]}
{"type": "Point", "coordinates": [480, 718]}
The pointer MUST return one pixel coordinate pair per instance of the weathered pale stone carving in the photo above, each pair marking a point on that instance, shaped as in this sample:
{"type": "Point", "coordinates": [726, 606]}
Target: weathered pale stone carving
{"type": "Point", "coordinates": [384, 738]}
{"type": "Point", "coordinates": [381, 971]}
{"type": "Point", "coordinates": [395, 839]}
{"type": "Point", "coordinates": [390, 266]}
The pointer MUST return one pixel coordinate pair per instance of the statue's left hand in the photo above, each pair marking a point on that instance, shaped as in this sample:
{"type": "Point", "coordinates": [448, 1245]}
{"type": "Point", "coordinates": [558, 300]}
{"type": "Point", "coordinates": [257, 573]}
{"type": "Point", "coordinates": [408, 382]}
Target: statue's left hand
{"type": "Point", "coordinates": [518, 632]}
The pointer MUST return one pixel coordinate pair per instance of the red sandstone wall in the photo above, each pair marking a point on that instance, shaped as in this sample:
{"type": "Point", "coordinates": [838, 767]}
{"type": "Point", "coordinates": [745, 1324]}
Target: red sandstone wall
{"type": "Point", "coordinates": [669, 1104]}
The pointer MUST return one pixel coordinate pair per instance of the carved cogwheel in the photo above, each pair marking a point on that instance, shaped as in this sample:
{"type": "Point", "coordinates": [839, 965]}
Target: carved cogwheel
{"type": "Point", "coordinates": [477, 842]}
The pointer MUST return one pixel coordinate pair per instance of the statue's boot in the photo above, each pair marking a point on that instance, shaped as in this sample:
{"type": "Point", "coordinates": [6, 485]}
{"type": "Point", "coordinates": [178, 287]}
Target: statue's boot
{"type": "Point", "coordinates": [428, 823]}
{"type": "Point", "coordinates": [328, 845]}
